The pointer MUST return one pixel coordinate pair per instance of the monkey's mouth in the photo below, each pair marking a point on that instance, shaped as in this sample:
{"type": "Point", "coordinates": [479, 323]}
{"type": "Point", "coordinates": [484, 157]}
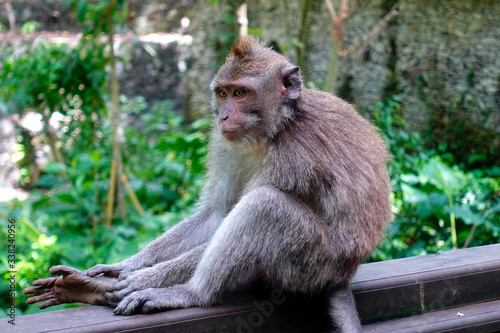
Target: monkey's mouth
{"type": "Point", "coordinates": [234, 133]}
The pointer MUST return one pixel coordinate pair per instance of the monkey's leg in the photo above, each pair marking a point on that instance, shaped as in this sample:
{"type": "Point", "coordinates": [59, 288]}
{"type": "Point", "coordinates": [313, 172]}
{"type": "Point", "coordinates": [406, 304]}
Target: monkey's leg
{"type": "Point", "coordinates": [165, 274]}
{"type": "Point", "coordinates": [268, 230]}
{"type": "Point", "coordinates": [189, 233]}
{"type": "Point", "coordinates": [71, 287]}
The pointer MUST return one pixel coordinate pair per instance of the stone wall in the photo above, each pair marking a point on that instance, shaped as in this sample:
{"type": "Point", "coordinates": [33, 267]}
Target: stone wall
{"type": "Point", "coordinates": [438, 55]}
{"type": "Point", "coordinates": [435, 53]}
{"type": "Point", "coordinates": [448, 50]}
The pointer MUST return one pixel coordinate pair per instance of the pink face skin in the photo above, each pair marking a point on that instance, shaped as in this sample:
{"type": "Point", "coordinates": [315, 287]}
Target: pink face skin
{"type": "Point", "coordinates": [235, 99]}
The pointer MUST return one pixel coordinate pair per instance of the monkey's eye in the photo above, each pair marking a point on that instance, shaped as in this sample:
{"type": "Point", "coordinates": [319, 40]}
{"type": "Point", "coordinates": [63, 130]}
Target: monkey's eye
{"type": "Point", "coordinates": [221, 93]}
{"type": "Point", "coordinates": [239, 93]}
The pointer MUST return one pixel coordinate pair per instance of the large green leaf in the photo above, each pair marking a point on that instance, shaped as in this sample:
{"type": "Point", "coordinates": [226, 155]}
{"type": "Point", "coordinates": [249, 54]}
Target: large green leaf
{"type": "Point", "coordinates": [413, 194]}
{"type": "Point", "coordinates": [54, 168]}
{"type": "Point", "coordinates": [442, 176]}
{"type": "Point", "coordinates": [433, 205]}
{"type": "Point", "coordinates": [466, 214]}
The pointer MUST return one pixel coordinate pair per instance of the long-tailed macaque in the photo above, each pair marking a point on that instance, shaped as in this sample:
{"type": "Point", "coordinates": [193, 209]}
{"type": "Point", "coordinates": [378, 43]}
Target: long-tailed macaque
{"type": "Point", "coordinates": [296, 195]}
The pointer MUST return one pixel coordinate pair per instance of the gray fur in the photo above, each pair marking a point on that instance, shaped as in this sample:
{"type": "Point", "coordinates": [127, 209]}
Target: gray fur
{"type": "Point", "coordinates": [303, 197]}
{"type": "Point", "coordinates": [343, 310]}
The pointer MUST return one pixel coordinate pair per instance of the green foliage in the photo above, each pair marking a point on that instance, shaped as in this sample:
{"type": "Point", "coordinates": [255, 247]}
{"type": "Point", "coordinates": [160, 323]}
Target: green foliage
{"type": "Point", "coordinates": [174, 153]}
{"type": "Point", "coordinates": [460, 130]}
{"type": "Point", "coordinates": [53, 77]}
{"type": "Point", "coordinates": [224, 38]}
{"type": "Point", "coordinates": [30, 27]}
{"type": "Point", "coordinates": [49, 79]}
{"type": "Point", "coordinates": [404, 145]}
{"type": "Point", "coordinates": [63, 221]}
{"type": "Point", "coordinates": [94, 14]}
{"type": "Point", "coordinates": [437, 206]}
{"type": "Point", "coordinates": [35, 251]}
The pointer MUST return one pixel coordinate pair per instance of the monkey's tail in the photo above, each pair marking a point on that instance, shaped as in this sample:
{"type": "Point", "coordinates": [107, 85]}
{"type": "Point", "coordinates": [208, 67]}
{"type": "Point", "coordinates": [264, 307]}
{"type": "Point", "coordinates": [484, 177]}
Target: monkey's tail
{"type": "Point", "coordinates": [343, 310]}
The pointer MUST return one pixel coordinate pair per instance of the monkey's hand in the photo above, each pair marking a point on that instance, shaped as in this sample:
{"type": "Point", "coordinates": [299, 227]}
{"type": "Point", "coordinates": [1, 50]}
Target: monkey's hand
{"type": "Point", "coordinates": [150, 277]}
{"type": "Point", "coordinates": [158, 299]}
{"type": "Point", "coordinates": [72, 286]}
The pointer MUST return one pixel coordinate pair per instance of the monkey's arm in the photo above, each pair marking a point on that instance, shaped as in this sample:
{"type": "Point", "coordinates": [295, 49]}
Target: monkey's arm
{"type": "Point", "coordinates": [268, 230]}
{"type": "Point", "coordinates": [191, 232]}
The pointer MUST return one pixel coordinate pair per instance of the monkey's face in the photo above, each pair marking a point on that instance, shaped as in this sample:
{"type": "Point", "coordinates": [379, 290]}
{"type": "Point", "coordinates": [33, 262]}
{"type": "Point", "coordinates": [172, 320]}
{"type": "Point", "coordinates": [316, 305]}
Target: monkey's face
{"type": "Point", "coordinates": [253, 108]}
{"type": "Point", "coordinates": [238, 109]}
{"type": "Point", "coordinates": [253, 91]}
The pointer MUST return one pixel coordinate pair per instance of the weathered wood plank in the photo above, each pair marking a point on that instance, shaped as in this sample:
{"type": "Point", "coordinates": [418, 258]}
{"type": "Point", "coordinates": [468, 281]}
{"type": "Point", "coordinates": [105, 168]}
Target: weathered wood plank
{"type": "Point", "coordinates": [250, 314]}
{"type": "Point", "coordinates": [415, 285]}
{"type": "Point", "coordinates": [383, 290]}
{"type": "Point", "coordinates": [482, 317]}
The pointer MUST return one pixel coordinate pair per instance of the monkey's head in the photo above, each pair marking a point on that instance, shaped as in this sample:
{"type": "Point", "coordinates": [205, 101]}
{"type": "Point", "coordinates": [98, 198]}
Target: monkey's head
{"type": "Point", "coordinates": [255, 91]}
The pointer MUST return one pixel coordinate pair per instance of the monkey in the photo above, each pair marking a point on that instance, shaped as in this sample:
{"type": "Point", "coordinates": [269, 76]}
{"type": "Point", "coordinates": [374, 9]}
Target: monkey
{"type": "Point", "coordinates": [297, 195]}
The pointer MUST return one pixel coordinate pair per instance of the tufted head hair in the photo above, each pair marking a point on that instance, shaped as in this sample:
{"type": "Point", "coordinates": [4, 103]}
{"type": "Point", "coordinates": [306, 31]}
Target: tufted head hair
{"type": "Point", "coordinates": [249, 57]}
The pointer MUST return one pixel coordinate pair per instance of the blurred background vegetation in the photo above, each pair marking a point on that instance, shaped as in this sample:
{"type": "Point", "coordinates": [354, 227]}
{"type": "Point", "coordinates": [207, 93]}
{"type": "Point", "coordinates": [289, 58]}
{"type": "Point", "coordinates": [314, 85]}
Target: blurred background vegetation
{"type": "Point", "coordinates": [103, 115]}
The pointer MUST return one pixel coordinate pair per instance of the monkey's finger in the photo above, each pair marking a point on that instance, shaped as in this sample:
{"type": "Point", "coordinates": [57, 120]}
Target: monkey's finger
{"type": "Point", "coordinates": [96, 270]}
{"type": "Point", "coordinates": [128, 309]}
{"type": "Point", "coordinates": [62, 270]}
{"type": "Point", "coordinates": [113, 274]}
{"type": "Point", "coordinates": [111, 297]}
{"type": "Point", "coordinates": [111, 288]}
{"type": "Point", "coordinates": [46, 282]}
{"type": "Point", "coordinates": [113, 302]}
{"type": "Point", "coordinates": [50, 302]}
{"type": "Point", "coordinates": [39, 298]}
{"type": "Point", "coordinates": [120, 294]}
{"type": "Point", "coordinates": [121, 285]}
{"type": "Point", "coordinates": [151, 306]}
{"type": "Point", "coordinates": [124, 274]}
{"type": "Point", "coordinates": [117, 295]}
{"type": "Point", "coordinates": [103, 269]}
{"type": "Point", "coordinates": [128, 306]}
{"type": "Point", "coordinates": [36, 290]}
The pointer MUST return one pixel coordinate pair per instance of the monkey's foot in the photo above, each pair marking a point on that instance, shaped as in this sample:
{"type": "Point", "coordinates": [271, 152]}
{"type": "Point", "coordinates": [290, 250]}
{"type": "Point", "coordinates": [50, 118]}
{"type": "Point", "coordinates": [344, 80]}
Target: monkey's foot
{"type": "Point", "coordinates": [72, 286]}
{"type": "Point", "coordinates": [157, 299]}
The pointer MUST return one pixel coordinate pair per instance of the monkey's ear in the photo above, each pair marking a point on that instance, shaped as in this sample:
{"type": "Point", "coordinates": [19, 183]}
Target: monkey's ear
{"type": "Point", "coordinates": [291, 81]}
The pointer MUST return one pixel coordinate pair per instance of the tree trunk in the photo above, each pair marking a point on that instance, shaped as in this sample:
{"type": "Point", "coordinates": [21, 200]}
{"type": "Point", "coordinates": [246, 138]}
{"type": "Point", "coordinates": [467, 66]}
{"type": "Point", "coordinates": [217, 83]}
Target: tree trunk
{"type": "Point", "coordinates": [52, 139]}
{"type": "Point", "coordinates": [115, 116]}
{"type": "Point", "coordinates": [333, 67]}
{"type": "Point", "coordinates": [10, 15]}
{"type": "Point", "coordinates": [302, 38]}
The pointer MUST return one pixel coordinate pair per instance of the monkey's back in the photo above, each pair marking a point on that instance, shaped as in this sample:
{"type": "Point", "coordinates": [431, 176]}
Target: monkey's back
{"type": "Point", "coordinates": [332, 159]}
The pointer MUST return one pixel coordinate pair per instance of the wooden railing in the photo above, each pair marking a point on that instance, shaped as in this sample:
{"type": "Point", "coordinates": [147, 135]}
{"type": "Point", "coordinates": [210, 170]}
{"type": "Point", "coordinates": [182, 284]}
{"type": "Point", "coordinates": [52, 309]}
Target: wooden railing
{"type": "Point", "coordinates": [455, 291]}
